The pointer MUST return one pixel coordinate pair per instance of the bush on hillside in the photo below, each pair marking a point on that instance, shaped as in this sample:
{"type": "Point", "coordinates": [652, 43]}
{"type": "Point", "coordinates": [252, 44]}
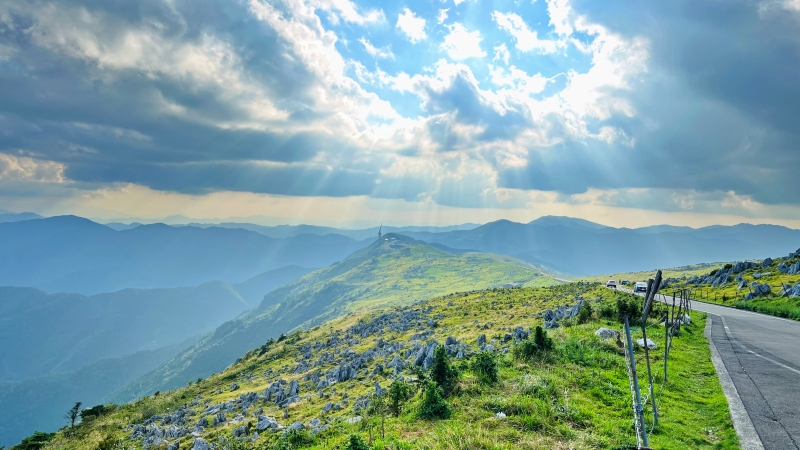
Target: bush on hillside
{"type": "Point", "coordinates": [536, 348]}
{"type": "Point", "coordinates": [433, 405]}
{"type": "Point", "coordinates": [630, 307]}
{"type": "Point", "coordinates": [484, 365]}
{"type": "Point", "coordinates": [398, 393]}
{"type": "Point", "coordinates": [585, 313]}
{"type": "Point", "coordinates": [96, 411]}
{"type": "Point", "coordinates": [35, 441]}
{"type": "Point", "coordinates": [355, 443]}
{"type": "Point", "coordinates": [442, 372]}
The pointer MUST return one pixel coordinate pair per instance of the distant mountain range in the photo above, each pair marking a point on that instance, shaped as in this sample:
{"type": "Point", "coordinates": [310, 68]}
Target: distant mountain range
{"type": "Point", "coordinates": [72, 254]}
{"type": "Point", "coordinates": [575, 247]}
{"type": "Point", "coordinates": [8, 216]}
{"type": "Point", "coordinates": [397, 270]}
{"type": "Point", "coordinates": [44, 334]}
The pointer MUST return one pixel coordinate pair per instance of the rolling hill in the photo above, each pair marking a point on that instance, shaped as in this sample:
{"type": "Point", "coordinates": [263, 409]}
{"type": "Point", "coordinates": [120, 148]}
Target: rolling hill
{"type": "Point", "coordinates": [397, 270]}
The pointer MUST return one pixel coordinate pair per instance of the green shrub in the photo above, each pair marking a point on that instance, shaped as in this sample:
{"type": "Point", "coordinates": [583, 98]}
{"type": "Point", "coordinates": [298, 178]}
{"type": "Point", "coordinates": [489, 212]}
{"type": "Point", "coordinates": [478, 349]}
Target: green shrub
{"type": "Point", "coordinates": [442, 373]}
{"type": "Point", "coordinates": [585, 313]}
{"type": "Point", "coordinates": [713, 272]}
{"type": "Point", "coordinates": [97, 411]}
{"type": "Point", "coordinates": [536, 348]}
{"type": "Point", "coordinates": [35, 441]}
{"type": "Point", "coordinates": [728, 266]}
{"type": "Point", "coordinates": [485, 367]}
{"type": "Point", "coordinates": [398, 393]}
{"type": "Point", "coordinates": [607, 311]}
{"type": "Point", "coordinates": [355, 443]}
{"type": "Point", "coordinates": [630, 307]}
{"type": "Point", "coordinates": [433, 404]}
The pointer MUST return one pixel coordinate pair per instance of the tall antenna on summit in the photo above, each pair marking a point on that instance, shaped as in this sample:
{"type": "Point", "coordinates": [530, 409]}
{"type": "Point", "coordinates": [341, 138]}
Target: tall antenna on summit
{"type": "Point", "coordinates": [379, 232]}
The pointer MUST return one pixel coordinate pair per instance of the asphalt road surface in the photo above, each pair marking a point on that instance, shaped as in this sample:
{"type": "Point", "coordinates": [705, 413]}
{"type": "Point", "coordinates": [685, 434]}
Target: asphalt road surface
{"type": "Point", "coordinates": [762, 356]}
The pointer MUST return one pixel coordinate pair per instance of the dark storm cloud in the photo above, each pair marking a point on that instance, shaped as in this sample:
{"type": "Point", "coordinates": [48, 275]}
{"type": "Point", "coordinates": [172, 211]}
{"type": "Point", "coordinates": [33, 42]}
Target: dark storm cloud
{"type": "Point", "coordinates": [717, 111]}
{"type": "Point", "coordinates": [109, 125]}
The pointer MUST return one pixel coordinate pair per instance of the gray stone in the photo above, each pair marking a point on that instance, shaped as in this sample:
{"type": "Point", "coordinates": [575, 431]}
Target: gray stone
{"type": "Point", "coordinates": [241, 431]}
{"type": "Point", "coordinates": [201, 444]}
{"type": "Point", "coordinates": [294, 388]}
{"type": "Point", "coordinates": [742, 285]}
{"type": "Point", "coordinates": [296, 426]}
{"type": "Point", "coordinates": [766, 263]}
{"type": "Point", "coordinates": [607, 333]}
{"type": "Point", "coordinates": [266, 423]}
{"type": "Point", "coordinates": [355, 419]}
{"type": "Point", "coordinates": [783, 267]}
{"type": "Point", "coordinates": [314, 423]}
{"type": "Point", "coordinates": [378, 390]}
{"type": "Point", "coordinates": [234, 386]}
{"type": "Point", "coordinates": [219, 419]}
{"type": "Point", "coordinates": [650, 344]}
{"type": "Point", "coordinates": [481, 340]}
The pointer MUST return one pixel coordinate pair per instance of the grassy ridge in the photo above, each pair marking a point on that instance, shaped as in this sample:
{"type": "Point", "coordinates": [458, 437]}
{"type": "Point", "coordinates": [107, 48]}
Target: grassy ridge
{"type": "Point", "coordinates": [577, 397]}
{"type": "Point", "coordinates": [395, 271]}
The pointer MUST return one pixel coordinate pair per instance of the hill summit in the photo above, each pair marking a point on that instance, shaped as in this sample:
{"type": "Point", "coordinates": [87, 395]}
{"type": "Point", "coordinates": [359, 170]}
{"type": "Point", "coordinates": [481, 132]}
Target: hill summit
{"type": "Point", "coordinates": [394, 271]}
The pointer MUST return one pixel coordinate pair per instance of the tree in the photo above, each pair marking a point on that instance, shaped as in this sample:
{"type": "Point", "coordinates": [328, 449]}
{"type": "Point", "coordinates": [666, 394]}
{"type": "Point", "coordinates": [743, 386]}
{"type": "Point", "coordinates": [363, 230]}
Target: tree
{"type": "Point", "coordinates": [445, 375]}
{"type": "Point", "coordinates": [399, 393]}
{"type": "Point", "coordinates": [585, 313]}
{"type": "Point", "coordinates": [35, 441]}
{"type": "Point", "coordinates": [433, 404]}
{"type": "Point", "coordinates": [73, 413]}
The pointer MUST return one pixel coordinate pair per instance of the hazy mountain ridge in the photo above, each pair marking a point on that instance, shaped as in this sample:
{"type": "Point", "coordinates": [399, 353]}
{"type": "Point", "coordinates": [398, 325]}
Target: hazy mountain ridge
{"type": "Point", "coordinates": [39, 403]}
{"type": "Point", "coordinates": [71, 254]}
{"type": "Point", "coordinates": [573, 246]}
{"type": "Point", "coordinates": [51, 333]}
{"type": "Point", "coordinates": [397, 270]}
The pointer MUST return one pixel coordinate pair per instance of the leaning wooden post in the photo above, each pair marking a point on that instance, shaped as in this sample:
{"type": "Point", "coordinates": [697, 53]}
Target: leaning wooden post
{"type": "Point", "coordinates": [651, 294]}
{"type": "Point", "coordinates": [638, 411]}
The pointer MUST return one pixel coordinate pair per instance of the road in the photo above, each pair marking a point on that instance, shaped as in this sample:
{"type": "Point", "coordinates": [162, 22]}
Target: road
{"type": "Point", "coordinates": [762, 356]}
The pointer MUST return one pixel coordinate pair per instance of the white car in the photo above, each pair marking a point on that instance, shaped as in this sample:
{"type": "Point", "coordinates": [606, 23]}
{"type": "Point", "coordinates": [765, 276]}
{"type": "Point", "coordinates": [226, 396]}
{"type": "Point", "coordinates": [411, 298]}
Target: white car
{"type": "Point", "coordinates": [611, 284]}
{"type": "Point", "coordinates": [640, 286]}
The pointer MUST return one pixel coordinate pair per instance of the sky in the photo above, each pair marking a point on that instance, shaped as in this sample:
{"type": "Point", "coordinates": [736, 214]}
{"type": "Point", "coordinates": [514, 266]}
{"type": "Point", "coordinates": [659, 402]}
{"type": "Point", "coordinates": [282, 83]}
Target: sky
{"type": "Point", "coordinates": [339, 112]}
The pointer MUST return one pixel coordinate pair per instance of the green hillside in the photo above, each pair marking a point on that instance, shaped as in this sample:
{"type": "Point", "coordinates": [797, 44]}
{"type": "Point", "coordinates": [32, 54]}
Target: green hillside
{"type": "Point", "coordinates": [397, 270]}
{"type": "Point", "coordinates": [322, 383]}
{"type": "Point", "coordinates": [771, 286]}
{"type": "Point", "coordinates": [672, 272]}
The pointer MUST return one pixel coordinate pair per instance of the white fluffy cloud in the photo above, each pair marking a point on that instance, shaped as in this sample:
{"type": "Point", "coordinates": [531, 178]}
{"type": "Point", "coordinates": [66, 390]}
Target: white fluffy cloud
{"type": "Point", "coordinates": [412, 26]}
{"type": "Point", "coordinates": [462, 44]}
{"type": "Point", "coordinates": [442, 16]}
{"type": "Point", "coordinates": [378, 52]}
{"type": "Point", "coordinates": [527, 39]}
{"type": "Point", "coordinates": [501, 53]}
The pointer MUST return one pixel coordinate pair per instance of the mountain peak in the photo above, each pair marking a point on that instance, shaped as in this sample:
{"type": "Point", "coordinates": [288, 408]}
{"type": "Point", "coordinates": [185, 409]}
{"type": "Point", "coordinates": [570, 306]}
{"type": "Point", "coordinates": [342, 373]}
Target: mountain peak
{"type": "Point", "coordinates": [566, 221]}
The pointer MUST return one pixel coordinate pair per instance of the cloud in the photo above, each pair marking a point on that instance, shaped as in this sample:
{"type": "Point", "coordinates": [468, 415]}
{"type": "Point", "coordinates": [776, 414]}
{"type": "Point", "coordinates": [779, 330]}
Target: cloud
{"type": "Point", "coordinates": [273, 98]}
{"type": "Point", "coordinates": [501, 53]}
{"type": "Point", "coordinates": [462, 44]}
{"type": "Point", "coordinates": [527, 40]}
{"type": "Point", "coordinates": [382, 52]}
{"type": "Point", "coordinates": [413, 27]}
{"type": "Point", "coordinates": [442, 16]}
{"type": "Point", "coordinates": [14, 168]}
